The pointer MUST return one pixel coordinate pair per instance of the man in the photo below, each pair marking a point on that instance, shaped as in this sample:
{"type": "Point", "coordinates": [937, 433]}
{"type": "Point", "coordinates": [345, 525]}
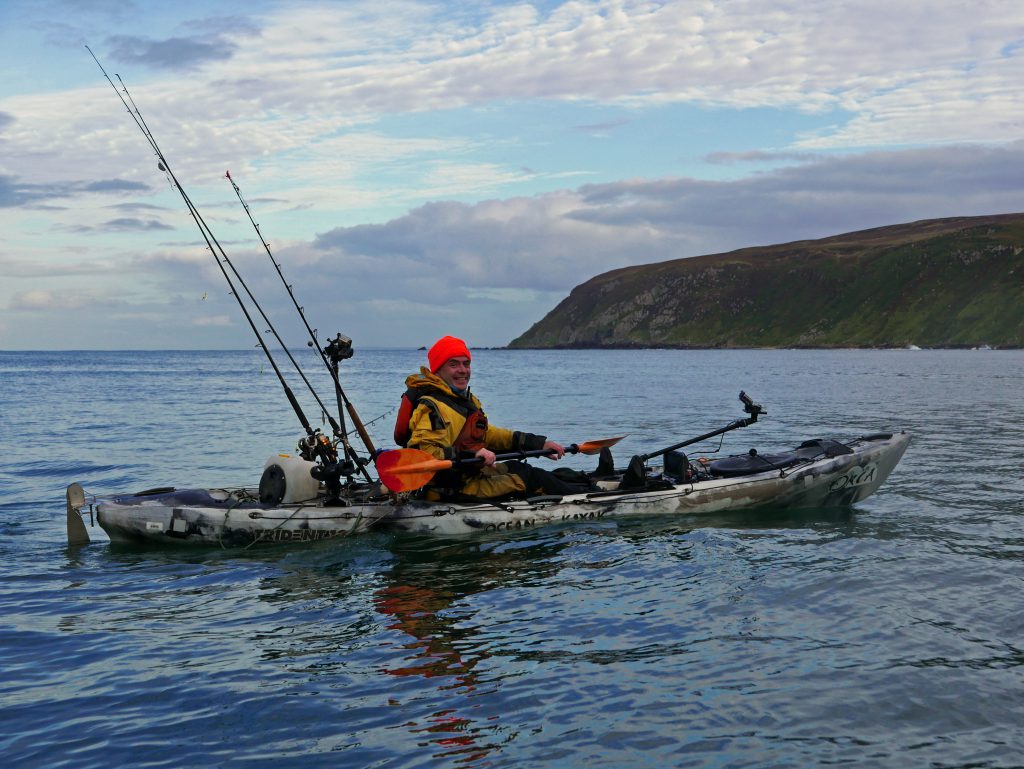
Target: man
{"type": "Point", "coordinates": [439, 415]}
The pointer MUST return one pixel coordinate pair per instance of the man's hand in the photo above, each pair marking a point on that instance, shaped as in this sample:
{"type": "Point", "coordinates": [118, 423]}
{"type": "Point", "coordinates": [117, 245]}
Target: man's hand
{"type": "Point", "coordinates": [557, 451]}
{"type": "Point", "coordinates": [487, 456]}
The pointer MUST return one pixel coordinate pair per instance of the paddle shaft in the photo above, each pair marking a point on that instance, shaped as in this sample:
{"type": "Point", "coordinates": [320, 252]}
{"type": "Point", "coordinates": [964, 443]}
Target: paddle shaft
{"type": "Point", "coordinates": [571, 449]}
{"type": "Point", "coordinates": [408, 469]}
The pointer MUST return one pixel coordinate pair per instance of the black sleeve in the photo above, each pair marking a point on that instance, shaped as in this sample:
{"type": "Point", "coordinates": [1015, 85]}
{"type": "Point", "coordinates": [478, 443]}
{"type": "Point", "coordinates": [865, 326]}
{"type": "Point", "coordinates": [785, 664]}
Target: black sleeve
{"type": "Point", "coordinates": [458, 456]}
{"type": "Point", "coordinates": [528, 441]}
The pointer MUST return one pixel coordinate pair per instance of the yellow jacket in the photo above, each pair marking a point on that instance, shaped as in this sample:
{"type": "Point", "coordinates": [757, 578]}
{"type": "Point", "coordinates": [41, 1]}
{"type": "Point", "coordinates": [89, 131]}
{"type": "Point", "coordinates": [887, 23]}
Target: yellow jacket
{"type": "Point", "coordinates": [441, 413]}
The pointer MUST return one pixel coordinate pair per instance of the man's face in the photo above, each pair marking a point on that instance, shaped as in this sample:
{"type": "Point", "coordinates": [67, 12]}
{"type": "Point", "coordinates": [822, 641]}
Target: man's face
{"type": "Point", "coordinates": [455, 372]}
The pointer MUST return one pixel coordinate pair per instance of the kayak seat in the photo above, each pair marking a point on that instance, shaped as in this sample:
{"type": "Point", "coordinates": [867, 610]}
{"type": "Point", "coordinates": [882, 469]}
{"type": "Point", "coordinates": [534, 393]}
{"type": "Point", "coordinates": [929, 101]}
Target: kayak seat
{"type": "Point", "coordinates": [677, 466]}
{"type": "Point", "coordinates": [638, 478]}
{"type": "Point", "coordinates": [605, 464]}
{"type": "Point", "coordinates": [753, 462]}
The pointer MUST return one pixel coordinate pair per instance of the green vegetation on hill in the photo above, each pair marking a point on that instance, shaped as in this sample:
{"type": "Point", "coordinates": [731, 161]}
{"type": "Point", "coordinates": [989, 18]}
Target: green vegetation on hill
{"type": "Point", "coordinates": [937, 283]}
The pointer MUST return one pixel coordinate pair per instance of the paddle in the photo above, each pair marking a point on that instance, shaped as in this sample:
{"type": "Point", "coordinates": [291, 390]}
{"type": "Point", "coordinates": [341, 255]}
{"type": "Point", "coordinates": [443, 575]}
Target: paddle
{"type": "Point", "coordinates": [411, 469]}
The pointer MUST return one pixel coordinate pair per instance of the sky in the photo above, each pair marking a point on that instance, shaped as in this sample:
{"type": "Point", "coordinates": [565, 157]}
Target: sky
{"type": "Point", "coordinates": [428, 168]}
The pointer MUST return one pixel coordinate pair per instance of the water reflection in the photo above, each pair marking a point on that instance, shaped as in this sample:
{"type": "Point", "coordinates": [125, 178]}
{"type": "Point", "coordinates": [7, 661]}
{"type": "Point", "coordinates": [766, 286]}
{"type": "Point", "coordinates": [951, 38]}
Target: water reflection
{"type": "Point", "coordinates": [424, 599]}
{"type": "Point", "coordinates": [451, 601]}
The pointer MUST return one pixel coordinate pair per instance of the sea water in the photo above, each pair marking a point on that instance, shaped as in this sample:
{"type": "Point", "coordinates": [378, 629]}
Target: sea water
{"type": "Point", "coordinates": [889, 635]}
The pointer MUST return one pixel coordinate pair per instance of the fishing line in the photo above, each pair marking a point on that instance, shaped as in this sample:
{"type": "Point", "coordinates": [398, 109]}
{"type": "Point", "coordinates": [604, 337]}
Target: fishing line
{"type": "Point", "coordinates": [339, 348]}
{"type": "Point", "coordinates": [377, 419]}
{"type": "Point", "coordinates": [316, 443]}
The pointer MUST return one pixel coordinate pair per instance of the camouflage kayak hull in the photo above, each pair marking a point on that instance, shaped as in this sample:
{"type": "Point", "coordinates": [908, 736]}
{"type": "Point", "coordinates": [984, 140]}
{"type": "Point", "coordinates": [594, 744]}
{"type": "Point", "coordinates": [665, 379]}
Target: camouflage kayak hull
{"type": "Point", "coordinates": [236, 518]}
{"type": "Point", "coordinates": [228, 518]}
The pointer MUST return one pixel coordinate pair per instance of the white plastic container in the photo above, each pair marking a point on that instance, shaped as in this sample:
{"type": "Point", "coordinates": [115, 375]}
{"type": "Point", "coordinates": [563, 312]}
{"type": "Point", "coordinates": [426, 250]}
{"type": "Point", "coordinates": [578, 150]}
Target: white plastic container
{"type": "Point", "coordinates": [293, 474]}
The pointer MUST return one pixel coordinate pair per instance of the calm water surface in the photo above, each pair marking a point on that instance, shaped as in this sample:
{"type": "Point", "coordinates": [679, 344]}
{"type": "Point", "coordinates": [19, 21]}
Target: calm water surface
{"type": "Point", "coordinates": [891, 635]}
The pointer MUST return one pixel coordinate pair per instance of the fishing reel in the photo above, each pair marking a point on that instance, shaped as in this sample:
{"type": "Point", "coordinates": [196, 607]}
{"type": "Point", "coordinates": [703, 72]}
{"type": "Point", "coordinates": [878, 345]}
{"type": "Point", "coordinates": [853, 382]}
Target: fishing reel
{"type": "Point", "coordinates": [338, 349]}
{"type": "Point", "coordinates": [330, 468]}
{"type": "Point", "coordinates": [317, 446]}
{"type": "Point", "coordinates": [320, 449]}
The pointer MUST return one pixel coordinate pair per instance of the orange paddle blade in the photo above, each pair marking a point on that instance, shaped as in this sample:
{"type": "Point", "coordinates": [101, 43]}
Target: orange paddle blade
{"type": "Point", "coordinates": [407, 469]}
{"type": "Point", "coordinates": [429, 466]}
{"type": "Point", "coordinates": [594, 447]}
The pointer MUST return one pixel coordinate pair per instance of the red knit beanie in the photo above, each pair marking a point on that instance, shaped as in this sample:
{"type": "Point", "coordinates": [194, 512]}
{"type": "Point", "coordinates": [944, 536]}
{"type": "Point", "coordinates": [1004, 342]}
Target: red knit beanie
{"type": "Point", "coordinates": [445, 348]}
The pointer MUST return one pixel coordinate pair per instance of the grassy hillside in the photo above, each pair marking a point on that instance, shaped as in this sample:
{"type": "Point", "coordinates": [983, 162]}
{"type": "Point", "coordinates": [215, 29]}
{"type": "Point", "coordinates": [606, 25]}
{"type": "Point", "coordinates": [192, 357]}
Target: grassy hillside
{"type": "Point", "coordinates": [938, 283]}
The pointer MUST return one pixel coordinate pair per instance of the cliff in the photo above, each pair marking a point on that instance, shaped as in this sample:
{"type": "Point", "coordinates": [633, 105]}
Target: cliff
{"type": "Point", "coordinates": [955, 282]}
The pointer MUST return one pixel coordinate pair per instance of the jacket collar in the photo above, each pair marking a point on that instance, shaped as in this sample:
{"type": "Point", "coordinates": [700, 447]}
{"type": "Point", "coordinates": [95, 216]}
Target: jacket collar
{"type": "Point", "coordinates": [427, 380]}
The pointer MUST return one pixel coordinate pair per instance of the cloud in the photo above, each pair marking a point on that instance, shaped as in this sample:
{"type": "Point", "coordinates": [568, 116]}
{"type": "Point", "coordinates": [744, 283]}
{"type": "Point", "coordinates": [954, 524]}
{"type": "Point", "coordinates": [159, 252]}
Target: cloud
{"type": "Point", "coordinates": [176, 53]}
{"type": "Point", "coordinates": [826, 196]}
{"type": "Point", "coordinates": [212, 320]}
{"type": "Point", "coordinates": [14, 192]}
{"type": "Point", "coordinates": [115, 185]}
{"type": "Point", "coordinates": [235, 25]}
{"type": "Point", "coordinates": [203, 41]}
{"type": "Point", "coordinates": [490, 269]}
{"type": "Point", "coordinates": [733, 54]}
{"type": "Point", "coordinates": [553, 242]}
{"type": "Point", "coordinates": [39, 300]}
{"type": "Point", "coordinates": [295, 92]}
{"type": "Point", "coordinates": [121, 224]}
{"type": "Point", "coordinates": [758, 156]}
{"type": "Point", "coordinates": [515, 243]}
{"type": "Point", "coordinates": [129, 224]}
{"type": "Point", "coordinates": [12, 267]}
{"type": "Point", "coordinates": [602, 129]}
{"type": "Point", "coordinates": [920, 77]}
{"type": "Point", "coordinates": [132, 207]}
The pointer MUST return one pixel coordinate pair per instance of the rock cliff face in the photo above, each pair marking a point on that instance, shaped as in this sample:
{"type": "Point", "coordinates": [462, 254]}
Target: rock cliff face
{"type": "Point", "coordinates": [938, 283]}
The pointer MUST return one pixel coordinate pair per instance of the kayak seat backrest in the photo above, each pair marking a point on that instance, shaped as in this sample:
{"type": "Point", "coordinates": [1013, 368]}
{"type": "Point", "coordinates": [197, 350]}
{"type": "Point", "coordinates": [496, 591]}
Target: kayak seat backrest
{"type": "Point", "coordinates": [752, 462]}
{"type": "Point", "coordinates": [677, 465]}
{"type": "Point", "coordinates": [635, 476]}
{"type": "Point", "coordinates": [638, 478]}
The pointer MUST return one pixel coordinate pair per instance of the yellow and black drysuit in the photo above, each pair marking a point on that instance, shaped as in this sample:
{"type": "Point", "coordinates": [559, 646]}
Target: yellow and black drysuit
{"type": "Point", "coordinates": [448, 425]}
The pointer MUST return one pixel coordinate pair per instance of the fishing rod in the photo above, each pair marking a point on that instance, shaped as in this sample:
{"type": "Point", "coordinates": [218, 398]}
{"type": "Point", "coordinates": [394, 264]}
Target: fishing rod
{"type": "Point", "coordinates": [316, 444]}
{"type": "Point", "coordinates": [636, 473]}
{"type": "Point", "coordinates": [338, 349]}
{"type": "Point", "coordinates": [754, 409]}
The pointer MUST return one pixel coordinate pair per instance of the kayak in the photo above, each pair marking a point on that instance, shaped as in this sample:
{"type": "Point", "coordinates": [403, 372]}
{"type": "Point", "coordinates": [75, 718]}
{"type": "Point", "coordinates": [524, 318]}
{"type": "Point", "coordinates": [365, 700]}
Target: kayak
{"type": "Point", "coordinates": [291, 508]}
